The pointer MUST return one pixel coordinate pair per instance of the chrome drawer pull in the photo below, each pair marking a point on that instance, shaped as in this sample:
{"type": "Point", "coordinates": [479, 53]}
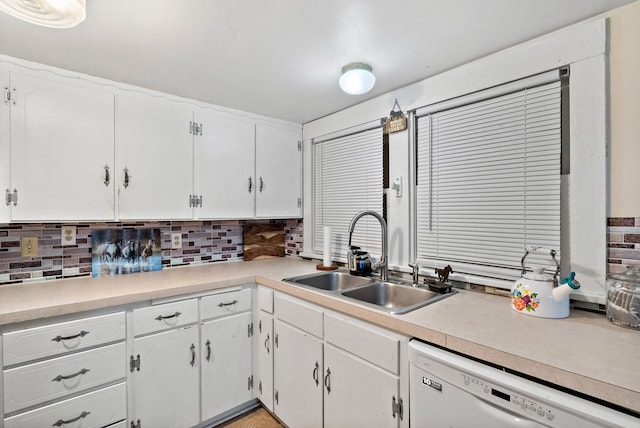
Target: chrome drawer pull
{"type": "Point", "coordinates": [222, 305]}
{"type": "Point", "coordinates": [60, 378]}
{"type": "Point", "coordinates": [163, 317]}
{"type": "Point", "coordinates": [61, 422]}
{"type": "Point", "coordinates": [61, 338]}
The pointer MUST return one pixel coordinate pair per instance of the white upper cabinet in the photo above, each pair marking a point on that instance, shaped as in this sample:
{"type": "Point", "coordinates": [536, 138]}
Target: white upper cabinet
{"type": "Point", "coordinates": [5, 152]}
{"type": "Point", "coordinates": [224, 165]}
{"type": "Point", "coordinates": [62, 156]}
{"type": "Point", "coordinates": [278, 172]}
{"type": "Point", "coordinates": [154, 156]}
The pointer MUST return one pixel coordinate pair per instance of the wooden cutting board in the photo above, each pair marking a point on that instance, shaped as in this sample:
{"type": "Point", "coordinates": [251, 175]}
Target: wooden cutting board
{"type": "Point", "coordinates": [263, 241]}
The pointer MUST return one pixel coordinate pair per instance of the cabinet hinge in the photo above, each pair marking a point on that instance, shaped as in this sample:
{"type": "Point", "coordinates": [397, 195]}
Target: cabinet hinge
{"type": "Point", "coordinates": [200, 128]}
{"type": "Point", "coordinates": [299, 146]}
{"type": "Point", "coordinates": [11, 197]}
{"type": "Point", "coordinates": [134, 363]}
{"type": "Point", "coordinates": [195, 201]}
{"type": "Point", "coordinates": [250, 330]}
{"type": "Point", "coordinates": [250, 382]}
{"type": "Point", "coordinates": [7, 95]}
{"type": "Point", "coordinates": [299, 202]}
{"type": "Point", "coordinates": [136, 425]}
{"type": "Point", "coordinates": [397, 407]}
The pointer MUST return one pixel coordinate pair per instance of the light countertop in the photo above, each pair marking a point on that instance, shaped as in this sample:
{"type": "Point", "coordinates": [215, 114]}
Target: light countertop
{"type": "Point", "coordinates": [584, 352]}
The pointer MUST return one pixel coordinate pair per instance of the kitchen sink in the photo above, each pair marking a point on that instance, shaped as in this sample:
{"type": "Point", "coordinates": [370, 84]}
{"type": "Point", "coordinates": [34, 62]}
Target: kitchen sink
{"type": "Point", "coordinates": [395, 298]}
{"type": "Point", "coordinates": [331, 281]}
{"type": "Point", "coordinates": [388, 296]}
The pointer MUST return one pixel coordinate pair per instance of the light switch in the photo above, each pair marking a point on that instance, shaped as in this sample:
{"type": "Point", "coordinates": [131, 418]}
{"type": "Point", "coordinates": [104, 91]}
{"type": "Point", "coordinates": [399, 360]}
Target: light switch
{"type": "Point", "coordinates": [29, 246]}
{"type": "Point", "coordinates": [68, 235]}
{"type": "Point", "coordinates": [176, 241]}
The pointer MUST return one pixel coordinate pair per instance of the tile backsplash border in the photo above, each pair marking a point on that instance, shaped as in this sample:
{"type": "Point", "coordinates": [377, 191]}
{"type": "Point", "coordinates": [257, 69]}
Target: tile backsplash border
{"type": "Point", "coordinates": [202, 242]}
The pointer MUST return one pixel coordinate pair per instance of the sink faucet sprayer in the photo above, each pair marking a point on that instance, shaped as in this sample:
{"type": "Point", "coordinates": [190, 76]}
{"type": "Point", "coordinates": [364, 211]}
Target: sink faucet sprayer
{"type": "Point", "coordinates": [354, 256]}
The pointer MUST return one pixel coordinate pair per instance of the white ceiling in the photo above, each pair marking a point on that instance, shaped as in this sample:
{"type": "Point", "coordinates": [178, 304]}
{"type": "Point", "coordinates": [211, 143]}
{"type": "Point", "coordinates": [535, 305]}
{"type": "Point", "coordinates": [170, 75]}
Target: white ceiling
{"type": "Point", "coordinates": [282, 58]}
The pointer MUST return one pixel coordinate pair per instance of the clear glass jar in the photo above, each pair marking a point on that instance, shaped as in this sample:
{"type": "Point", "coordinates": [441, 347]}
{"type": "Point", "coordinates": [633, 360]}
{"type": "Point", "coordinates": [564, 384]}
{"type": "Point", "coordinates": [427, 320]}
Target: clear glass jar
{"type": "Point", "coordinates": [623, 298]}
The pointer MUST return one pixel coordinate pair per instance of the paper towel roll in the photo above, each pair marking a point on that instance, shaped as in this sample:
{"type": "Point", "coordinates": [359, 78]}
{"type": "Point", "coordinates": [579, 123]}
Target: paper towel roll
{"type": "Point", "coordinates": [326, 255]}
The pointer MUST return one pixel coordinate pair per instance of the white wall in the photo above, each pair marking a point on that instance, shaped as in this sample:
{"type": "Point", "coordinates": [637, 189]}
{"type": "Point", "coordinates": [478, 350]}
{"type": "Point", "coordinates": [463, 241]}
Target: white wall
{"type": "Point", "coordinates": [583, 46]}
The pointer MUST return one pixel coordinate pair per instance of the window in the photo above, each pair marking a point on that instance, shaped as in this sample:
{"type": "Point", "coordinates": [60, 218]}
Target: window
{"type": "Point", "coordinates": [348, 174]}
{"type": "Point", "coordinates": [489, 178]}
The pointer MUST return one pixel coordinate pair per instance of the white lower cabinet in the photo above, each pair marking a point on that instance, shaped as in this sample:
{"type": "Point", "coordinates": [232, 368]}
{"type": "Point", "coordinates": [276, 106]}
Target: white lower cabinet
{"type": "Point", "coordinates": [357, 393]}
{"type": "Point", "coordinates": [333, 371]}
{"type": "Point", "coordinates": [65, 374]}
{"type": "Point", "coordinates": [165, 374]}
{"type": "Point", "coordinates": [264, 356]}
{"type": "Point", "coordinates": [227, 375]}
{"type": "Point", "coordinates": [297, 376]}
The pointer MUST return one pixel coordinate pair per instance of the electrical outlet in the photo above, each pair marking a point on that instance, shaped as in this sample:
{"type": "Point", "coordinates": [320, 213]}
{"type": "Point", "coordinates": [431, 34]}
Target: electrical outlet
{"type": "Point", "coordinates": [176, 241]}
{"type": "Point", "coordinates": [68, 235]}
{"type": "Point", "coordinates": [29, 246]}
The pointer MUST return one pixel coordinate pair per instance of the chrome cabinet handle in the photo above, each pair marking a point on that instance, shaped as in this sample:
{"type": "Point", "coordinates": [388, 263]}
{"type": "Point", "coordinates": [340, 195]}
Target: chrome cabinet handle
{"type": "Point", "coordinates": [266, 344]}
{"type": "Point", "coordinates": [261, 184]}
{"type": "Point", "coordinates": [126, 177]}
{"type": "Point", "coordinates": [61, 422]}
{"type": "Point", "coordinates": [192, 348]}
{"type": "Point", "coordinates": [327, 381]}
{"type": "Point", "coordinates": [107, 176]}
{"type": "Point", "coordinates": [222, 305]}
{"type": "Point", "coordinates": [75, 336]}
{"type": "Point", "coordinates": [315, 373]}
{"type": "Point", "coordinates": [250, 185]}
{"type": "Point", "coordinates": [208, 345]}
{"type": "Point", "coordinates": [166, 317]}
{"type": "Point", "coordinates": [60, 378]}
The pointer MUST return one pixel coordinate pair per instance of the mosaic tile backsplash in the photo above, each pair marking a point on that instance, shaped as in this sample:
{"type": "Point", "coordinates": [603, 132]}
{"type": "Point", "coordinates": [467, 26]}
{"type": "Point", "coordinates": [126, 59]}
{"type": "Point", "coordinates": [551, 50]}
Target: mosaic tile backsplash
{"type": "Point", "coordinates": [623, 243]}
{"type": "Point", "coordinates": [202, 242]}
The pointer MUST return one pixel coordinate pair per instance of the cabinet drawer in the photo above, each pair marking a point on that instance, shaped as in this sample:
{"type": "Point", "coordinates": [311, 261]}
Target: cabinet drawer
{"type": "Point", "coordinates": [93, 410]}
{"type": "Point", "coordinates": [373, 345]}
{"type": "Point", "coordinates": [166, 316]}
{"type": "Point", "coordinates": [55, 339]}
{"type": "Point", "coordinates": [225, 303]}
{"type": "Point", "coordinates": [265, 299]}
{"type": "Point", "coordinates": [302, 315]}
{"type": "Point", "coordinates": [37, 383]}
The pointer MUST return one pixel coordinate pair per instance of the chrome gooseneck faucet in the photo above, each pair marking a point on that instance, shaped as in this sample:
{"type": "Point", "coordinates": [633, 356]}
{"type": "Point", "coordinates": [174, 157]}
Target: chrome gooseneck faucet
{"type": "Point", "coordinates": [383, 262]}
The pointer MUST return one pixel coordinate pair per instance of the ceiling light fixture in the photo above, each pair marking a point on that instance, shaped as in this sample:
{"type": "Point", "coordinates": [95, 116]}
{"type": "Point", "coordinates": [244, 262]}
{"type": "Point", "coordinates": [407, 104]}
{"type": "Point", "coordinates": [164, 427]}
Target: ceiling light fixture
{"type": "Point", "coordinates": [357, 78]}
{"type": "Point", "coordinates": [48, 13]}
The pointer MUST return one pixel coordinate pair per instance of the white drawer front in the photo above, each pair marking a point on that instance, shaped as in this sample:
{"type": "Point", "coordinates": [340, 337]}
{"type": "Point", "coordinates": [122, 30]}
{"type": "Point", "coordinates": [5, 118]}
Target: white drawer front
{"type": "Point", "coordinates": [225, 303]}
{"type": "Point", "coordinates": [265, 299]}
{"type": "Point", "coordinates": [37, 383]}
{"type": "Point", "coordinates": [166, 316]}
{"type": "Point", "coordinates": [56, 339]}
{"type": "Point", "coordinates": [93, 410]}
{"type": "Point", "coordinates": [299, 314]}
{"type": "Point", "coordinates": [366, 342]}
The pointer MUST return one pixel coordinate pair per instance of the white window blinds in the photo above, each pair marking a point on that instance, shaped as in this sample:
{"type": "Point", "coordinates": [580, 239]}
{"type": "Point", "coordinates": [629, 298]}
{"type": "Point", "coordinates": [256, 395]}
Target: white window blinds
{"type": "Point", "coordinates": [488, 182]}
{"type": "Point", "coordinates": [347, 180]}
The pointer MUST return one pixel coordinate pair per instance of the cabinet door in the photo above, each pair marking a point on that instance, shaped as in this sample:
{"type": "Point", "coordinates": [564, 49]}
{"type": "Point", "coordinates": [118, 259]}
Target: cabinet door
{"type": "Point", "coordinates": [297, 377]}
{"type": "Point", "coordinates": [278, 172]}
{"type": "Point", "coordinates": [224, 166]}
{"type": "Point", "coordinates": [264, 354]}
{"type": "Point", "coordinates": [165, 388]}
{"type": "Point", "coordinates": [154, 152]}
{"type": "Point", "coordinates": [357, 394]}
{"type": "Point", "coordinates": [62, 142]}
{"type": "Point", "coordinates": [226, 364]}
{"type": "Point", "coordinates": [5, 152]}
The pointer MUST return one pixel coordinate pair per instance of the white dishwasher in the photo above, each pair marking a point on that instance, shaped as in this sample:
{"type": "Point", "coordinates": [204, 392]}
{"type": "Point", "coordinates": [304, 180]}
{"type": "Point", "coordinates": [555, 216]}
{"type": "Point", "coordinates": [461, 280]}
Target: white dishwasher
{"type": "Point", "coordinates": [448, 390]}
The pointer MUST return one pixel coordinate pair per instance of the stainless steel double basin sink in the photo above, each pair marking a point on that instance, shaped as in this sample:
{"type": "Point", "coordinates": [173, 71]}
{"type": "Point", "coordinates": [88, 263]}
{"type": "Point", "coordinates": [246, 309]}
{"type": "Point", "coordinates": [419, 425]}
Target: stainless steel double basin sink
{"type": "Point", "coordinates": [392, 297]}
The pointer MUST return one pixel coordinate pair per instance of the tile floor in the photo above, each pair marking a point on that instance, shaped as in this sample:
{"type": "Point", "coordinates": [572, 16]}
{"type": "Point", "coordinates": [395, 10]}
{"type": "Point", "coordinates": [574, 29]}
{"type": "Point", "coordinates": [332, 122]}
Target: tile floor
{"type": "Point", "coordinates": [256, 418]}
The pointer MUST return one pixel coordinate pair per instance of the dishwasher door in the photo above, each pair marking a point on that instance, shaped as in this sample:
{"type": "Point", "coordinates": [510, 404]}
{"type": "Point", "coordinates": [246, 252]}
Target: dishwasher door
{"type": "Point", "coordinates": [449, 390]}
